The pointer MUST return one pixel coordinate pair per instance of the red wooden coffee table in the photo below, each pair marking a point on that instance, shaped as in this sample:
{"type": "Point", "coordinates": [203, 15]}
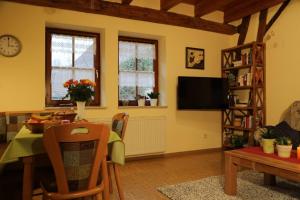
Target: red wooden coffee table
{"type": "Point", "coordinates": [254, 158]}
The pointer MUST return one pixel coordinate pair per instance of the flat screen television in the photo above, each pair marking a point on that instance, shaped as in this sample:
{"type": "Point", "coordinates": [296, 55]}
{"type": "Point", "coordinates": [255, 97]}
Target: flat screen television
{"type": "Point", "coordinates": [201, 93]}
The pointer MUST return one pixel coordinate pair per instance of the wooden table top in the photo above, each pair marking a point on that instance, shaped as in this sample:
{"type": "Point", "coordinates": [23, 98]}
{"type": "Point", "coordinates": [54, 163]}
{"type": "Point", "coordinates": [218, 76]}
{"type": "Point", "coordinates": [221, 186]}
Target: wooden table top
{"type": "Point", "coordinates": [265, 159]}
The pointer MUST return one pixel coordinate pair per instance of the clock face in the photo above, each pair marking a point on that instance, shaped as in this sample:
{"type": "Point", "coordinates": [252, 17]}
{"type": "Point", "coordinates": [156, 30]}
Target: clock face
{"type": "Point", "coordinates": [9, 45]}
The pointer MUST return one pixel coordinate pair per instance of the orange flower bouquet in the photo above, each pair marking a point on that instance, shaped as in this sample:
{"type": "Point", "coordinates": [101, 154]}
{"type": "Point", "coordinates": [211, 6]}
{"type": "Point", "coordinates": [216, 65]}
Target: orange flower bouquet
{"type": "Point", "coordinates": [82, 90]}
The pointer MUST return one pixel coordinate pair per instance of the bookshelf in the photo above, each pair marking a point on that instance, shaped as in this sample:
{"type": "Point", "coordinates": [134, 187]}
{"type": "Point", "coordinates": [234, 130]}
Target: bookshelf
{"type": "Point", "coordinates": [244, 68]}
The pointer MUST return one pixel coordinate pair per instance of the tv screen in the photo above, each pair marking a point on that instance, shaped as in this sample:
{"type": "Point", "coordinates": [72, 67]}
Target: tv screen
{"type": "Point", "coordinates": [202, 93]}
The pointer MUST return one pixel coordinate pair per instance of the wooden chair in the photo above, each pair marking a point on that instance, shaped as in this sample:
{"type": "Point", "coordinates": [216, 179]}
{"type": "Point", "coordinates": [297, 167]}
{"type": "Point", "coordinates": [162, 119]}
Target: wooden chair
{"type": "Point", "coordinates": [77, 152]}
{"type": "Point", "coordinates": [119, 124]}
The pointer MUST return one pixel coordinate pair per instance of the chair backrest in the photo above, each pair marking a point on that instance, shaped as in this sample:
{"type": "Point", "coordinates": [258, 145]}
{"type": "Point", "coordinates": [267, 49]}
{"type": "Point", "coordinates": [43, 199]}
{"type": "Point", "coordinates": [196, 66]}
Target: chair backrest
{"type": "Point", "coordinates": [76, 152]}
{"type": "Point", "coordinates": [2, 127]}
{"type": "Point", "coordinates": [119, 123]}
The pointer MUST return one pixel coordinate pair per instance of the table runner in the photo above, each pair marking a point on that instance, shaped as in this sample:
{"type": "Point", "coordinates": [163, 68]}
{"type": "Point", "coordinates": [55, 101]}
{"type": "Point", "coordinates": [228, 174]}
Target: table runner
{"type": "Point", "coordinates": [28, 144]}
{"type": "Point", "coordinates": [259, 151]}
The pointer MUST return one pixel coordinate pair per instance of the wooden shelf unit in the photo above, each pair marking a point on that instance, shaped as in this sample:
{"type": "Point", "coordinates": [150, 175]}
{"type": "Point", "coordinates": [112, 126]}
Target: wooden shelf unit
{"type": "Point", "coordinates": [244, 67]}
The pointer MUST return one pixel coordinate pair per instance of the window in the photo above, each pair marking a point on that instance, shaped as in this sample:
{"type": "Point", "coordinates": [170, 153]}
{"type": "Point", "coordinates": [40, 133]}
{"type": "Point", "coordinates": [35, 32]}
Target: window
{"type": "Point", "coordinates": [138, 68]}
{"type": "Point", "coordinates": [70, 55]}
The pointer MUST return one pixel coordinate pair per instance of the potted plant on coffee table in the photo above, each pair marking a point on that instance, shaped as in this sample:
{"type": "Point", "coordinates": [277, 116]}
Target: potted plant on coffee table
{"type": "Point", "coordinates": [153, 98]}
{"type": "Point", "coordinates": [284, 146]}
{"type": "Point", "coordinates": [268, 140]}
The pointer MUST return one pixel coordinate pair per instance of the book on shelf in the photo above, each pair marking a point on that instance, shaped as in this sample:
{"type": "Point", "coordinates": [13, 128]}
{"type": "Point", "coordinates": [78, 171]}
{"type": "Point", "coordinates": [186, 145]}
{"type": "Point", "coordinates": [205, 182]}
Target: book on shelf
{"type": "Point", "coordinates": [237, 63]}
{"type": "Point", "coordinates": [245, 79]}
{"type": "Point", "coordinates": [247, 122]}
{"type": "Point", "coordinates": [241, 105]}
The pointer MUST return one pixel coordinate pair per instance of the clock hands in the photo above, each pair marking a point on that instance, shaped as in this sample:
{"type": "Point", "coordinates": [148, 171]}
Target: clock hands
{"type": "Point", "coordinates": [9, 44]}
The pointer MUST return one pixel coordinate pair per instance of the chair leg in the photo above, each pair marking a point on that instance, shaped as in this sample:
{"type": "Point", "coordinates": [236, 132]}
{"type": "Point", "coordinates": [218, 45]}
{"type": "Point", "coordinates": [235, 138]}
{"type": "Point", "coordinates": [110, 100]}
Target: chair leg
{"type": "Point", "coordinates": [105, 179]}
{"type": "Point", "coordinates": [118, 181]}
{"type": "Point", "coordinates": [98, 196]}
{"type": "Point", "coordinates": [109, 178]}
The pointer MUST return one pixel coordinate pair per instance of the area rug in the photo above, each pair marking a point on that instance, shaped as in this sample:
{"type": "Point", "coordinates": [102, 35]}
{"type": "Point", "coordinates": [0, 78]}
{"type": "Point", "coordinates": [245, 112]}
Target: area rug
{"type": "Point", "coordinates": [250, 187]}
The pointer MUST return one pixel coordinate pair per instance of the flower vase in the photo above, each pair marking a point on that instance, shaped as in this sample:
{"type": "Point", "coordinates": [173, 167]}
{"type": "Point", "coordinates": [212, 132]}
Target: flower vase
{"type": "Point", "coordinates": [80, 109]}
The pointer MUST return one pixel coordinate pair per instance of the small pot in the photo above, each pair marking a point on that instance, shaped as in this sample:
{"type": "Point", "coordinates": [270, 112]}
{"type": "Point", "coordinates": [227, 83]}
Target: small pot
{"type": "Point", "coordinates": [284, 151]}
{"type": "Point", "coordinates": [268, 145]}
{"type": "Point", "coordinates": [141, 102]}
{"type": "Point", "coordinates": [153, 102]}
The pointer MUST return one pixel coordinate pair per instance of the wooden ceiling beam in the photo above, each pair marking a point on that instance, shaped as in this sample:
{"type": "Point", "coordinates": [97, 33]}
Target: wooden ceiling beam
{"type": "Point", "coordinates": [204, 7]}
{"type": "Point", "coordinates": [262, 25]}
{"type": "Point", "coordinates": [243, 29]}
{"type": "Point", "coordinates": [276, 15]}
{"type": "Point", "coordinates": [136, 13]}
{"type": "Point", "coordinates": [246, 8]}
{"type": "Point", "coordinates": [126, 2]}
{"type": "Point", "coordinates": [168, 4]}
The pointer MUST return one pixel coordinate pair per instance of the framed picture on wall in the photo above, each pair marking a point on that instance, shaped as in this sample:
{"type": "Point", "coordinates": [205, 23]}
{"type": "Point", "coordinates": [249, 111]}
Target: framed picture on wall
{"type": "Point", "coordinates": [194, 58]}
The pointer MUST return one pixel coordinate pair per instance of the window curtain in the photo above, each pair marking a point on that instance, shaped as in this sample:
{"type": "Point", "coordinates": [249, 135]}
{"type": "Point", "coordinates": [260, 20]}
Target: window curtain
{"type": "Point", "coordinates": [131, 77]}
{"type": "Point", "coordinates": [63, 65]}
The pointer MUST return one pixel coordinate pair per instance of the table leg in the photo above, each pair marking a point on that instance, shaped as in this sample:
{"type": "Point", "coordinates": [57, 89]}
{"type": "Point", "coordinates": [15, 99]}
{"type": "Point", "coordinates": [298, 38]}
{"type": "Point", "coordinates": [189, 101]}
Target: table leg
{"type": "Point", "coordinates": [27, 177]}
{"type": "Point", "coordinates": [230, 187]}
{"type": "Point", "coordinates": [269, 179]}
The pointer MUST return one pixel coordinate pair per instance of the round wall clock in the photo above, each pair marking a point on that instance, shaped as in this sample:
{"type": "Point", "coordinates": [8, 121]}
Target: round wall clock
{"type": "Point", "coordinates": [9, 45]}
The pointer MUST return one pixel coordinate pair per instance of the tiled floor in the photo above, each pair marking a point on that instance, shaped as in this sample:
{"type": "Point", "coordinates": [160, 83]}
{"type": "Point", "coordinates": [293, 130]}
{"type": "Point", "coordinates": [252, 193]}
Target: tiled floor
{"type": "Point", "coordinates": [141, 178]}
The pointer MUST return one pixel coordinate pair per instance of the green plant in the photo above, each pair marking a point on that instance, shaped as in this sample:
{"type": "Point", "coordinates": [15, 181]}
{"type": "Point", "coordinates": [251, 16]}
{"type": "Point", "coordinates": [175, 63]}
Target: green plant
{"type": "Point", "coordinates": [237, 141]}
{"type": "Point", "coordinates": [153, 95]}
{"type": "Point", "coordinates": [284, 140]}
{"type": "Point", "coordinates": [268, 134]}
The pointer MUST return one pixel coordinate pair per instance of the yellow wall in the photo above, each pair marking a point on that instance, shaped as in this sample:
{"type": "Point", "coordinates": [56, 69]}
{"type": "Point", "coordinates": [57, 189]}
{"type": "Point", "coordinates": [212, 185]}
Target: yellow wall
{"type": "Point", "coordinates": [22, 78]}
{"type": "Point", "coordinates": [283, 60]}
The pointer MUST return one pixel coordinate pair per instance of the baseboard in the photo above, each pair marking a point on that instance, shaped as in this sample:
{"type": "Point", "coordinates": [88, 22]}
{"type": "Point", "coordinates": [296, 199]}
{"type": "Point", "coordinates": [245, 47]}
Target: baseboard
{"type": "Point", "coordinates": [167, 155]}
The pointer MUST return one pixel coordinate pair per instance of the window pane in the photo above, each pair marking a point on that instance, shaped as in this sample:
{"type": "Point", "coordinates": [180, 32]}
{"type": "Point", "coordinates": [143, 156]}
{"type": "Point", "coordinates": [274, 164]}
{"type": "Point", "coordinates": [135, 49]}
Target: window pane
{"type": "Point", "coordinates": [145, 65]}
{"type": "Point", "coordinates": [85, 49]}
{"type": "Point", "coordinates": [84, 74]}
{"type": "Point", "coordinates": [61, 50]}
{"type": "Point", "coordinates": [145, 79]}
{"type": "Point", "coordinates": [144, 90]}
{"type": "Point", "coordinates": [127, 65]}
{"type": "Point", "coordinates": [127, 56]}
{"type": "Point", "coordinates": [145, 51]}
{"type": "Point", "coordinates": [127, 78]}
{"type": "Point", "coordinates": [58, 77]}
{"type": "Point", "coordinates": [136, 69]}
{"type": "Point", "coordinates": [127, 93]}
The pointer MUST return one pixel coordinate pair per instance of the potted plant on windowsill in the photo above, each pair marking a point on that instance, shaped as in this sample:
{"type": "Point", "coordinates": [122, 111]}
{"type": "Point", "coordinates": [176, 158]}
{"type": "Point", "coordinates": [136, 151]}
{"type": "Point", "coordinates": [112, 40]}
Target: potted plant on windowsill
{"type": "Point", "coordinates": [141, 100]}
{"type": "Point", "coordinates": [153, 98]}
{"type": "Point", "coordinates": [284, 146]}
{"type": "Point", "coordinates": [268, 140]}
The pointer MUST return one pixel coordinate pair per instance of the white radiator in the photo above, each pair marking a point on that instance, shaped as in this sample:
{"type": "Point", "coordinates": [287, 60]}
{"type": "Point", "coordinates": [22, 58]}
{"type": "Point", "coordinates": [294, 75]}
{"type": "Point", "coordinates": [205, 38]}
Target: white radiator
{"type": "Point", "coordinates": [145, 135]}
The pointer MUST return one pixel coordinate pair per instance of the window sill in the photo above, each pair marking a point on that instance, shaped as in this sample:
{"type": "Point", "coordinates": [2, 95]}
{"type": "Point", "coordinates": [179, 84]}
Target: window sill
{"type": "Point", "coordinates": [142, 107]}
{"type": "Point", "coordinates": [74, 108]}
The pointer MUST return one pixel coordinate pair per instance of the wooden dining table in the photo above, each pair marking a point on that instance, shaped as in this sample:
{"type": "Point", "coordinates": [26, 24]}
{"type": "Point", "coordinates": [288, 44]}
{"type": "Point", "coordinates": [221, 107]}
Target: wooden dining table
{"type": "Point", "coordinates": [26, 146]}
